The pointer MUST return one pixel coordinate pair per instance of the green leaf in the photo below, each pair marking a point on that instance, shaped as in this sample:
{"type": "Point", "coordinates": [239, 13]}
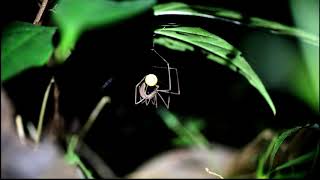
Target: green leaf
{"type": "Point", "coordinates": [194, 125]}
{"type": "Point", "coordinates": [299, 160]}
{"type": "Point", "coordinates": [73, 17]}
{"type": "Point", "coordinates": [182, 141]}
{"type": "Point", "coordinates": [172, 44]}
{"type": "Point", "coordinates": [279, 140]}
{"type": "Point", "coordinates": [260, 174]}
{"type": "Point", "coordinates": [217, 50]}
{"type": "Point", "coordinates": [23, 46]}
{"type": "Point", "coordinates": [271, 151]}
{"type": "Point", "coordinates": [293, 175]}
{"type": "Point", "coordinates": [177, 8]}
{"type": "Point", "coordinates": [306, 16]}
{"type": "Point", "coordinates": [187, 135]}
{"type": "Point", "coordinates": [169, 119]}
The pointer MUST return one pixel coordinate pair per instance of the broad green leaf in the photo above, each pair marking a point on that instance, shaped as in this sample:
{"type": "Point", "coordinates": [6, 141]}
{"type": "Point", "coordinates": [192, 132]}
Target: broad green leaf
{"type": "Point", "coordinates": [73, 17]}
{"type": "Point", "coordinates": [279, 141]}
{"type": "Point", "coordinates": [24, 45]}
{"type": "Point", "coordinates": [218, 50]}
{"type": "Point", "coordinates": [177, 8]}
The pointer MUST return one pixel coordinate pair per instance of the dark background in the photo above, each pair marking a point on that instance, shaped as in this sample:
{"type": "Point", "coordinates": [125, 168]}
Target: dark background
{"type": "Point", "coordinates": [125, 135]}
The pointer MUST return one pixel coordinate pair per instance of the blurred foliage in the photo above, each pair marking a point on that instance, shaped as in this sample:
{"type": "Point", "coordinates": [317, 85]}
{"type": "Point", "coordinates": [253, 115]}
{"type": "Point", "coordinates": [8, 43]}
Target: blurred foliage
{"type": "Point", "coordinates": [305, 84]}
{"type": "Point", "coordinates": [189, 133]}
{"type": "Point", "coordinates": [24, 45]}
{"type": "Point", "coordinates": [266, 169]}
{"type": "Point", "coordinates": [73, 159]}
{"type": "Point", "coordinates": [73, 17]}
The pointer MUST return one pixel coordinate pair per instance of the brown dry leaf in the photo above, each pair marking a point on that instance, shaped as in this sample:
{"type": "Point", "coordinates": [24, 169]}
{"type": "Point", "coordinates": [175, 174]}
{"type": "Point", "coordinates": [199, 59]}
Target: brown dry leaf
{"type": "Point", "coordinates": [192, 162]}
{"type": "Point", "coordinates": [187, 163]}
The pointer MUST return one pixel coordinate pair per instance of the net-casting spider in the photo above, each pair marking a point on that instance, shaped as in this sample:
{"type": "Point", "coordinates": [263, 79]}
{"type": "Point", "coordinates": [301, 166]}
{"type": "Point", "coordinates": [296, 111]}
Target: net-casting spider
{"type": "Point", "coordinates": [148, 89]}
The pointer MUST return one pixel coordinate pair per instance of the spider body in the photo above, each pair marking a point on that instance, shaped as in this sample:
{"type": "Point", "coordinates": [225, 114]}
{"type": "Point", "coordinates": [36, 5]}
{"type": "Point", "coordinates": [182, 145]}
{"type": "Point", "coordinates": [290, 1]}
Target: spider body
{"type": "Point", "coordinates": [148, 90]}
{"type": "Point", "coordinates": [143, 91]}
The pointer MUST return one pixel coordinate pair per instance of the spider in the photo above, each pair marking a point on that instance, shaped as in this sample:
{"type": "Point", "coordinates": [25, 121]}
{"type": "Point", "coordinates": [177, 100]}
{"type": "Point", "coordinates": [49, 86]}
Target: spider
{"type": "Point", "coordinates": [148, 89]}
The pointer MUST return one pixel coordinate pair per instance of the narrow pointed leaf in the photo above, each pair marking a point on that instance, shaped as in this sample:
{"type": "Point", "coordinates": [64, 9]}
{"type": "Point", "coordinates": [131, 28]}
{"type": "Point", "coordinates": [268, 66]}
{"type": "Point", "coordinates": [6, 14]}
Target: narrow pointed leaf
{"type": "Point", "coordinates": [279, 140]}
{"type": "Point", "coordinates": [299, 160]}
{"type": "Point", "coordinates": [216, 49]}
{"type": "Point", "coordinates": [178, 8]}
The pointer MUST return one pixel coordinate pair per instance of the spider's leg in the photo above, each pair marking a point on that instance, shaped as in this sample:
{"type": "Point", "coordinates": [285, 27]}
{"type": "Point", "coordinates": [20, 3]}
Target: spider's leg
{"type": "Point", "coordinates": [154, 101]}
{"type": "Point", "coordinates": [166, 104]}
{"type": "Point", "coordinates": [168, 67]}
{"type": "Point", "coordinates": [155, 97]}
{"type": "Point", "coordinates": [178, 84]}
{"type": "Point", "coordinates": [136, 92]}
{"type": "Point", "coordinates": [147, 101]}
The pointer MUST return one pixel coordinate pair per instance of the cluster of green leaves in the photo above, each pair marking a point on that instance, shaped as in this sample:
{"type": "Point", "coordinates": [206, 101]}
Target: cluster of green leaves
{"type": "Point", "coordinates": [33, 44]}
{"type": "Point", "coordinates": [215, 49]}
{"type": "Point", "coordinates": [75, 17]}
{"type": "Point", "coordinates": [25, 45]}
{"type": "Point", "coordinates": [305, 83]}
{"type": "Point", "coordinates": [265, 169]}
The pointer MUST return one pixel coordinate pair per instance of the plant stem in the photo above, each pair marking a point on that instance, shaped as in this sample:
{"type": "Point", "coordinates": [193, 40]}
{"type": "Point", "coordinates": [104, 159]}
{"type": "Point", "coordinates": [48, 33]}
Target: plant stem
{"type": "Point", "coordinates": [93, 116]}
{"type": "Point", "coordinates": [42, 111]}
{"type": "Point", "coordinates": [40, 12]}
{"type": "Point", "coordinates": [20, 130]}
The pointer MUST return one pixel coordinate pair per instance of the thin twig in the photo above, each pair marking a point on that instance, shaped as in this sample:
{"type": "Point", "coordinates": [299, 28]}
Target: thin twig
{"type": "Point", "coordinates": [95, 161]}
{"type": "Point", "coordinates": [213, 173]}
{"type": "Point", "coordinates": [42, 111]}
{"type": "Point", "coordinates": [20, 130]}
{"type": "Point", "coordinates": [94, 115]}
{"type": "Point", "coordinates": [56, 126]}
{"type": "Point", "coordinates": [32, 131]}
{"type": "Point", "coordinates": [40, 12]}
